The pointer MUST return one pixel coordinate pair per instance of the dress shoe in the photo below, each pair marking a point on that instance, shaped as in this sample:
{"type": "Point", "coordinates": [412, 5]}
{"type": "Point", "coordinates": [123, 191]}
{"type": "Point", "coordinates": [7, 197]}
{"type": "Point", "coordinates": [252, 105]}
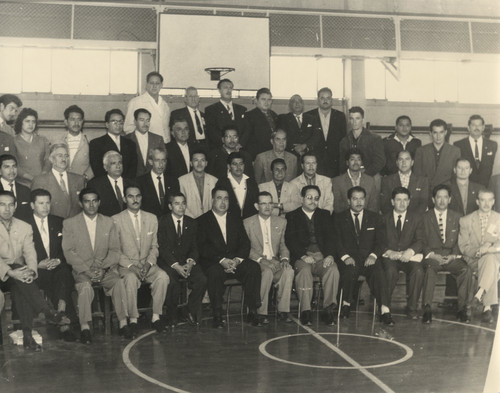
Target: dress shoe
{"type": "Point", "coordinates": [285, 317]}
{"type": "Point", "coordinates": [386, 319]}
{"type": "Point", "coordinates": [411, 314]}
{"type": "Point", "coordinates": [67, 335]}
{"type": "Point", "coordinates": [477, 303]}
{"type": "Point", "coordinates": [487, 317]}
{"type": "Point", "coordinates": [29, 343]}
{"type": "Point", "coordinates": [57, 318]}
{"type": "Point", "coordinates": [85, 337]}
{"type": "Point", "coordinates": [427, 316]}
{"type": "Point", "coordinates": [126, 332]}
{"type": "Point", "coordinates": [191, 320]}
{"type": "Point", "coordinates": [464, 315]}
{"type": "Point", "coordinates": [159, 326]}
{"type": "Point", "coordinates": [218, 323]}
{"type": "Point", "coordinates": [254, 319]}
{"type": "Point", "coordinates": [263, 319]}
{"type": "Point", "coordinates": [345, 311]}
{"type": "Point", "coordinates": [134, 330]}
{"type": "Point", "coordinates": [330, 315]}
{"type": "Point", "coordinates": [306, 318]}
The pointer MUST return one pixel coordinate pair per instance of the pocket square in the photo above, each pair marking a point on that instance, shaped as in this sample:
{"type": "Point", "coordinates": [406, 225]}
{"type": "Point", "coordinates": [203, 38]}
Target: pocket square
{"type": "Point", "coordinates": [370, 229]}
{"type": "Point", "coordinates": [24, 203]}
{"type": "Point", "coordinates": [150, 233]}
{"type": "Point", "coordinates": [490, 153]}
{"type": "Point", "coordinates": [59, 234]}
{"type": "Point", "coordinates": [309, 125]}
{"type": "Point", "coordinates": [418, 189]}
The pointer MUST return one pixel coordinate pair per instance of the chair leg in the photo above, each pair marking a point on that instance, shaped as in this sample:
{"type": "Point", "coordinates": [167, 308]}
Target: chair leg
{"type": "Point", "coordinates": [228, 301]}
{"type": "Point", "coordinates": [374, 314]}
{"type": "Point", "coordinates": [338, 315]}
{"type": "Point", "coordinates": [357, 301]}
{"type": "Point", "coordinates": [242, 310]}
{"type": "Point", "coordinates": [107, 315]}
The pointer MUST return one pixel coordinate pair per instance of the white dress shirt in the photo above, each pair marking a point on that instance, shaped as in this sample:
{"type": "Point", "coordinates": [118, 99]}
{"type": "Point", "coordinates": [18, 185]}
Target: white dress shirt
{"type": "Point", "coordinates": [116, 139]}
{"type": "Point", "coordinates": [229, 106]}
{"type": "Point", "coordinates": [119, 184]}
{"type": "Point", "coordinates": [142, 140]}
{"type": "Point", "coordinates": [73, 144]}
{"type": "Point", "coordinates": [64, 176]}
{"type": "Point", "coordinates": [396, 138]}
{"type": "Point", "coordinates": [44, 232]}
{"type": "Point", "coordinates": [240, 189]}
{"type": "Point", "coordinates": [185, 153]}
{"type": "Point", "coordinates": [325, 122]}
{"type": "Point", "coordinates": [403, 216]}
{"type": "Point", "coordinates": [472, 142]}
{"type": "Point", "coordinates": [91, 224]}
{"type": "Point", "coordinates": [221, 220]}
{"type": "Point", "coordinates": [154, 177]}
{"type": "Point", "coordinates": [6, 186]}
{"type": "Point", "coordinates": [265, 227]}
{"type": "Point", "coordinates": [198, 136]}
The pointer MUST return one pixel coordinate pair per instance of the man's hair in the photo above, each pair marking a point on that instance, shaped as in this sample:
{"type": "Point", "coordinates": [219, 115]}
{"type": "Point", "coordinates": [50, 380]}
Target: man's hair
{"type": "Point", "coordinates": [86, 191]}
{"type": "Point", "coordinates": [174, 195]}
{"type": "Point", "coordinates": [263, 193]}
{"type": "Point", "coordinates": [9, 193]}
{"type": "Point", "coordinates": [354, 189]}
{"type": "Point", "coordinates": [404, 151]}
{"type": "Point", "coordinates": [141, 110]}
{"type": "Point", "coordinates": [325, 90]}
{"type": "Point", "coordinates": [475, 117]}
{"type": "Point", "coordinates": [351, 151]}
{"type": "Point", "coordinates": [460, 159]}
{"type": "Point", "coordinates": [293, 98]}
{"type": "Point", "coordinates": [39, 192]}
{"type": "Point", "coordinates": [400, 190]}
{"type": "Point", "coordinates": [115, 111]}
{"type": "Point", "coordinates": [230, 127]}
{"type": "Point", "coordinates": [178, 119]}
{"type": "Point", "coordinates": [108, 155]}
{"type": "Point", "coordinates": [73, 109]}
{"type": "Point", "coordinates": [56, 146]}
{"type": "Point", "coordinates": [357, 109]}
{"type": "Point", "coordinates": [234, 155]}
{"type": "Point", "coordinates": [304, 190]}
{"type": "Point", "coordinates": [308, 154]}
{"type": "Point", "coordinates": [224, 80]}
{"type": "Point", "coordinates": [274, 133]}
{"type": "Point", "coordinates": [198, 150]}
{"type": "Point", "coordinates": [189, 88]}
{"type": "Point", "coordinates": [263, 90]}
{"type": "Point", "coordinates": [7, 157]}
{"type": "Point", "coordinates": [484, 190]}
{"type": "Point", "coordinates": [131, 184]}
{"type": "Point", "coordinates": [25, 112]}
{"type": "Point", "coordinates": [152, 74]}
{"type": "Point", "coordinates": [218, 188]}
{"type": "Point", "coordinates": [6, 99]}
{"type": "Point", "coordinates": [403, 117]}
{"type": "Point", "coordinates": [156, 148]}
{"type": "Point", "coordinates": [440, 187]}
{"type": "Point", "coordinates": [438, 123]}
{"type": "Point", "coordinates": [277, 161]}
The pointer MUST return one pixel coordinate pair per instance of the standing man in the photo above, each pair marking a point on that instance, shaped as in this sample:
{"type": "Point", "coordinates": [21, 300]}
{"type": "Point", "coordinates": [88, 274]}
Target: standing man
{"type": "Point", "coordinates": [155, 104]}
{"type": "Point", "coordinates": [436, 159]}
{"type": "Point", "coordinates": [217, 158]}
{"type": "Point", "coordinates": [285, 195]}
{"type": "Point", "coordinates": [400, 242]}
{"type": "Point", "coordinates": [463, 191]}
{"type": "Point", "coordinates": [77, 142]}
{"type": "Point", "coordinates": [179, 257]}
{"type": "Point", "coordinates": [262, 164]}
{"type": "Point", "coordinates": [113, 140]}
{"type": "Point", "coordinates": [352, 178]}
{"type": "Point", "coordinates": [259, 124]}
{"type": "Point", "coordinates": [144, 140]}
{"type": "Point", "coordinates": [62, 185]}
{"type": "Point", "coordinates": [242, 189]}
{"type": "Point", "coordinates": [9, 106]}
{"type": "Point", "coordinates": [224, 247]}
{"type": "Point", "coordinates": [478, 150]}
{"type": "Point", "coordinates": [402, 139]}
{"type": "Point", "coordinates": [8, 175]}
{"type": "Point", "coordinates": [90, 245]}
{"type": "Point", "coordinates": [267, 247]}
{"type": "Point", "coordinates": [179, 149]}
{"type": "Point", "coordinates": [331, 126]}
{"type": "Point", "coordinates": [156, 185]}
{"type": "Point", "coordinates": [197, 186]}
{"type": "Point", "coordinates": [356, 236]}
{"type": "Point", "coordinates": [309, 237]}
{"type": "Point", "coordinates": [440, 229]}
{"type": "Point", "coordinates": [405, 177]}
{"type": "Point", "coordinates": [310, 177]}
{"type": "Point", "coordinates": [194, 117]}
{"type": "Point", "coordinates": [223, 113]}
{"type": "Point", "coordinates": [479, 240]}
{"type": "Point", "coordinates": [138, 250]}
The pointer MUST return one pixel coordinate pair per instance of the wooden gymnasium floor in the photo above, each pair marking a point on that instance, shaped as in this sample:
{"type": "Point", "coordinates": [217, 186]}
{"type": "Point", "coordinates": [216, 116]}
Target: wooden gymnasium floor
{"type": "Point", "coordinates": [445, 356]}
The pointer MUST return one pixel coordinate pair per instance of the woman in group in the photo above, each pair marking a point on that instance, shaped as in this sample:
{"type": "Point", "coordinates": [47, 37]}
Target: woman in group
{"type": "Point", "coordinates": [32, 149]}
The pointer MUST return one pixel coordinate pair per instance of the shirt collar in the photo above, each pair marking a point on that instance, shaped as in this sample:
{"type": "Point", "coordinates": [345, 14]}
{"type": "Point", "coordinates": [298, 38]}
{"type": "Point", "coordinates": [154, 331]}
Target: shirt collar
{"type": "Point", "coordinates": [232, 179]}
{"type": "Point", "coordinates": [58, 174]}
{"type": "Point", "coordinates": [132, 215]}
{"type": "Point", "coordinates": [396, 137]}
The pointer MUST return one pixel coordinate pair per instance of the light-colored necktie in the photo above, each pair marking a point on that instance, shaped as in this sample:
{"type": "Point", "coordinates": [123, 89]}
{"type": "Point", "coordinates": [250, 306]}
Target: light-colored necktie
{"type": "Point", "coordinates": [268, 249]}
{"type": "Point", "coordinates": [63, 184]}
{"type": "Point", "coordinates": [230, 111]}
{"type": "Point", "coordinates": [137, 229]}
{"type": "Point", "coordinates": [299, 122]}
{"type": "Point", "coordinates": [45, 238]}
{"type": "Point", "coordinates": [484, 224]}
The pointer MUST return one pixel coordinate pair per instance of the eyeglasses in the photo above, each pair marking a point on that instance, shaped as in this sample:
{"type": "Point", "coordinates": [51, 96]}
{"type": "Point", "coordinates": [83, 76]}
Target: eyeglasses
{"type": "Point", "coordinates": [115, 122]}
{"type": "Point", "coordinates": [311, 198]}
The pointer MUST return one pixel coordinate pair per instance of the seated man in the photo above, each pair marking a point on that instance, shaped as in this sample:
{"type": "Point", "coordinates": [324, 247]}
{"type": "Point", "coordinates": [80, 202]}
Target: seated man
{"type": "Point", "coordinates": [309, 237]}
{"type": "Point", "coordinates": [267, 247]}
{"type": "Point", "coordinates": [54, 274]}
{"type": "Point", "coordinates": [400, 241]}
{"type": "Point", "coordinates": [178, 257]}
{"type": "Point", "coordinates": [439, 231]}
{"type": "Point", "coordinates": [479, 240]}
{"type": "Point", "coordinates": [138, 249]}
{"type": "Point", "coordinates": [18, 266]}
{"type": "Point", "coordinates": [90, 245]}
{"type": "Point", "coordinates": [356, 231]}
{"type": "Point", "coordinates": [8, 182]}
{"type": "Point", "coordinates": [224, 247]}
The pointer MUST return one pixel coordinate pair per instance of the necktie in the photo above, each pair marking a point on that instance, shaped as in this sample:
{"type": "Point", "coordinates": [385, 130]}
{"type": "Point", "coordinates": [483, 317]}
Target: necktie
{"type": "Point", "coordinates": [63, 184]}
{"type": "Point", "coordinates": [476, 155]}
{"type": "Point", "coordinates": [298, 121]}
{"type": "Point", "coordinates": [399, 225]}
{"type": "Point", "coordinates": [137, 228]}
{"type": "Point", "coordinates": [45, 238]}
{"type": "Point", "coordinates": [268, 251]}
{"type": "Point", "coordinates": [179, 231]}
{"type": "Point", "coordinates": [270, 120]}
{"type": "Point", "coordinates": [441, 227]}
{"type": "Point", "coordinates": [356, 224]}
{"type": "Point", "coordinates": [230, 111]}
{"type": "Point", "coordinates": [198, 123]}
{"type": "Point", "coordinates": [12, 188]}
{"type": "Point", "coordinates": [161, 191]}
{"type": "Point", "coordinates": [484, 223]}
{"type": "Point", "coordinates": [119, 195]}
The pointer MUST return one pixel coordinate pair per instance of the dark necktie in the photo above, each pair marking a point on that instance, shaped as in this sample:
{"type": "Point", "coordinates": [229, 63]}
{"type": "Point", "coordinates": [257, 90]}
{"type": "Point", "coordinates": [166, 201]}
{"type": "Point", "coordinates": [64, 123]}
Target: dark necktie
{"type": "Point", "coordinates": [198, 123]}
{"type": "Point", "coordinates": [270, 120]}
{"type": "Point", "coordinates": [476, 155]}
{"type": "Point", "coordinates": [119, 195]}
{"type": "Point", "coordinates": [399, 225]}
{"type": "Point", "coordinates": [228, 107]}
{"type": "Point", "coordinates": [12, 188]}
{"type": "Point", "coordinates": [356, 224]}
{"type": "Point", "coordinates": [161, 191]}
{"type": "Point", "coordinates": [441, 227]}
{"type": "Point", "coordinates": [179, 231]}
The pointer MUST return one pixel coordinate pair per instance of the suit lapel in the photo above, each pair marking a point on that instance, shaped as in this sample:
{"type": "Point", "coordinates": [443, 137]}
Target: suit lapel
{"type": "Point", "coordinates": [86, 235]}
{"type": "Point", "coordinates": [258, 231]}
{"type": "Point", "coordinates": [456, 191]}
{"type": "Point", "coordinates": [476, 226]}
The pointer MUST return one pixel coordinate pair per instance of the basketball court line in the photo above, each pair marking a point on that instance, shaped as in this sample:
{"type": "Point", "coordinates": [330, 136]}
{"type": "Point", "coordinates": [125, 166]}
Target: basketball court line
{"type": "Point", "coordinates": [345, 356]}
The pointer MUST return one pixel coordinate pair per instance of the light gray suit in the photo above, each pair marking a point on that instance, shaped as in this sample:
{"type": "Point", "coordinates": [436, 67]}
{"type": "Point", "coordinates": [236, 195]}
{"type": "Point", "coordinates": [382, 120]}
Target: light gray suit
{"type": "Point", "coordinates": [81, 162]}
{"type": "Point", "coordinates": [325, 185]}
{"type": "Point", "coordinates": [194, 206]}
{"type": "Point", "coordinates": [262, 166]}
{"type": "Point", "coordinates": [289, 197]}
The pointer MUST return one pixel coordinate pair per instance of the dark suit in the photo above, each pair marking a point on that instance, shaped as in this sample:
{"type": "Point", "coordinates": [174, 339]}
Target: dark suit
{"type": "Point", "coordinates": [456, 198]}
{"type": "Point", "coordinates": [217, 117]}
{"type": "Point", "coordinates": [252, 190]}
{"type": "Point", "coordinates": [359, 247]}
{"type": "Point", "coordinates": [371, 146]}
{"type": "Point", "coordinates": [495, 187]}
{"type": "Point", "coordinates": [217, 163]}
{"type": "Point", "coordinates": [150, 198]}
{"type": "Point", "coordinates": [307, 133]}
{"type": "Point", "coordinates": [184, 113]}
{"type": "Point", "coordinates": [409, 238]}
{"type": "Point", "coordinates": [328, 150]}
{"type": "Point", "coordinates": [109, 203]}
{"type": "Point", "coordinates": [176, 165]}
{"type": "Point", "coordinates": [431, 236]}
{"type": "Point", "coordinates": [425, 163]}
{"type": "Point", "coordinates": [482, 173]}
{"type": "Point", "coordinates": [174, 249]}
{"type": "Point", "coordinates": [419, 192]}
{"type": "Point", "coordinates": [392, 148]}
{"type": "Point", "coordinates": [23, 197]}
{"type": "Point", "coordinates": [99, 146]}
{"type": "Point", "coordinates": [213, 249]}
{"type": "Point", "coordinates": [257, 130]}
{"type": "Point", "coordinates": [154, 140]}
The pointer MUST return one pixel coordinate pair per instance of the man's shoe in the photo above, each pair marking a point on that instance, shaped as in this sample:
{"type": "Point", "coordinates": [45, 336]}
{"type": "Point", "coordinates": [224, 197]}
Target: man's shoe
{"type": "Point", "coordinates": [477, 303]}
{"type": "Point", "coordinates": [386, 319]}
{"type": "Point", "coordinates": [345, 311]}
{"type": "Point", "coordinates": [218, 323]}
{"type": "Point", "coordinates": [134, 330]}
{"type": "Point", "coordinates": [29, 343]}
{"type": "Point", "coordinates": [254, 319]}
{"type": "Point", "coordinates": [263, 319]}
{"type": "Point", "coordinates": [57, 318]}
{"type": "Point", "coordinates": [285, 317]}
{"type": "Point", "coordinates": [85, 337]}
{"type": "Point", "coordinates": [487, 317]}
{"type": "Point", "coordinates": [464, 316]}
{"type": "Point", "coordinates": [159, 326]}
{"type": "Point", "coordinates": [330, 315]}
{"type": "Point", "coordinates": [67, 335]}
{"type": "Point", "coordinates": [125, 332]}
{"type": "Point", "coordinates": [306, 318]}
{"type": "Point", "coordinates": [412, 314]}
{"type": "Point", "coordinates": [427, 317]}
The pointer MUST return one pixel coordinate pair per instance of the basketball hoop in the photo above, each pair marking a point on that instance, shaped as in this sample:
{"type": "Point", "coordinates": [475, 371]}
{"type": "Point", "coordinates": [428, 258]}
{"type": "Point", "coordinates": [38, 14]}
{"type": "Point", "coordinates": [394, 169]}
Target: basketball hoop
{"type": "Point", "coordinates": [217, 72]}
